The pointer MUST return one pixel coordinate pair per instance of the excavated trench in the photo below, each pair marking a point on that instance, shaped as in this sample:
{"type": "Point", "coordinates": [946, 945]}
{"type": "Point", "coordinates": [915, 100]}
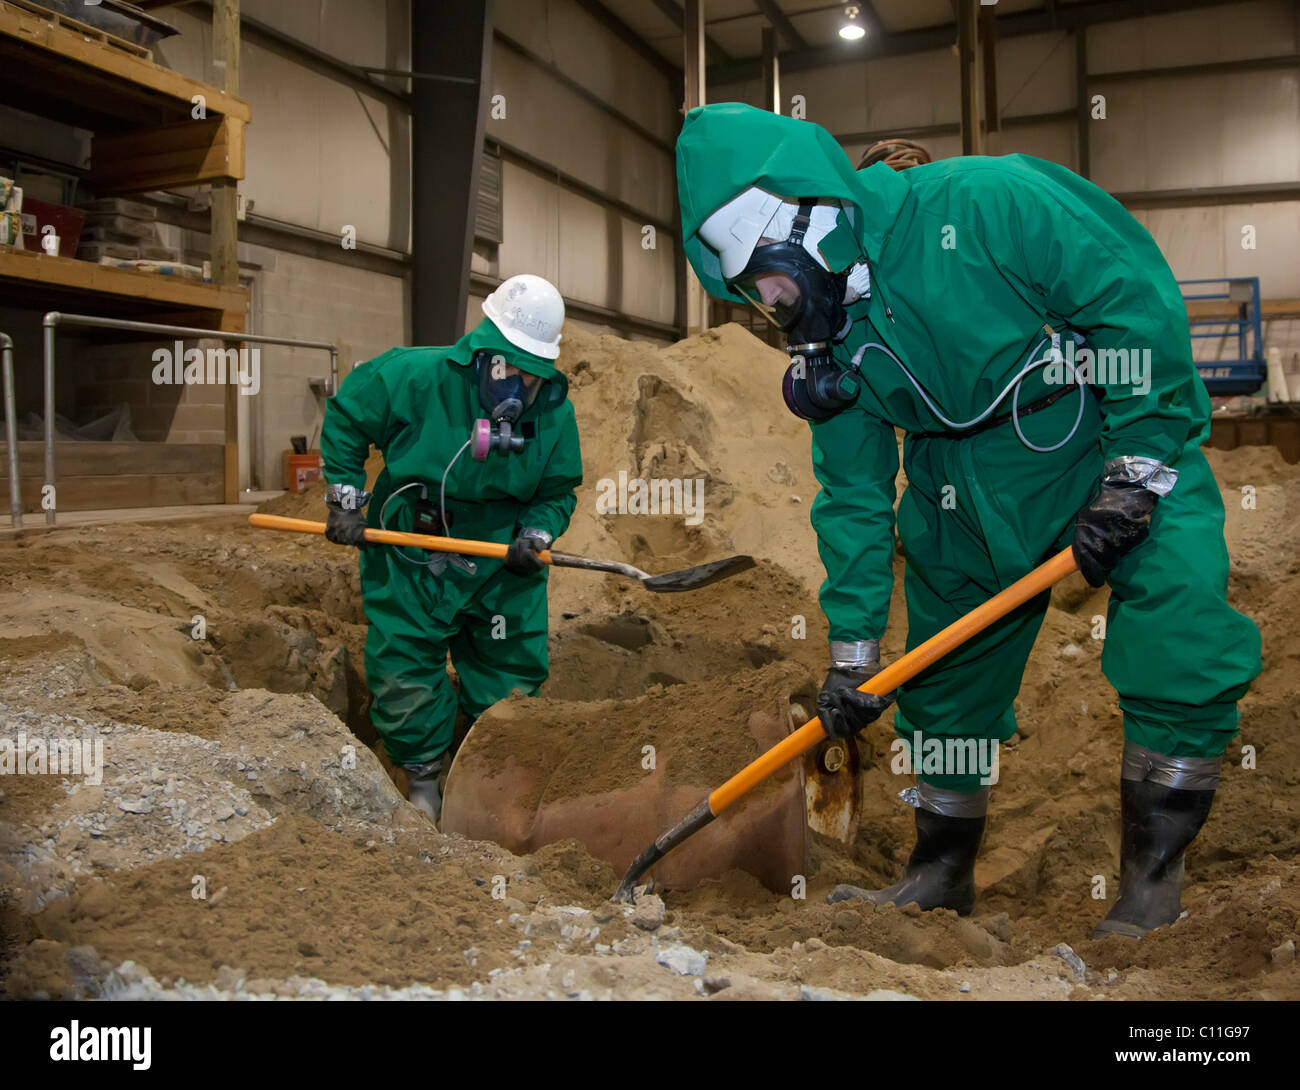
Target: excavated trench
{"type": "Point", "coordinates": [329, 876]}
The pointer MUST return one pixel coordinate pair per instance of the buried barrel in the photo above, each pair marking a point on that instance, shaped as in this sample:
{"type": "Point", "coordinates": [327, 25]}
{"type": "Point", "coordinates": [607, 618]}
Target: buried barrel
{"type": "Point", "coordinates": [615, 774]}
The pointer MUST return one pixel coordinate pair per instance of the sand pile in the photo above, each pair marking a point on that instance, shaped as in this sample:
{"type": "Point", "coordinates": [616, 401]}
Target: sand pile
{"type": "Point", "coordinates": [310, 502]}
{"type": "Point", "coordinates": [708, 408]}
{"type": "Point", "coordinates": [333, 885]}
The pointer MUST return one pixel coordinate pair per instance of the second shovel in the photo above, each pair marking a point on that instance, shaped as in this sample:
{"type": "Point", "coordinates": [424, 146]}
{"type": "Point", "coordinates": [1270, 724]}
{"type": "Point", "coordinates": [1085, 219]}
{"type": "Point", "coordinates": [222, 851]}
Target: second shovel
{"type": "Point", "coordinates": [701, 575]}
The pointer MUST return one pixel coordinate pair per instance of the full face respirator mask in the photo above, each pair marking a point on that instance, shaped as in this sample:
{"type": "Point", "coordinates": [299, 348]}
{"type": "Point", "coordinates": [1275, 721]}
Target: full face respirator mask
{"type": "Point", "coordinates": [504, 395]}
{"type": "Point", "coordinates": [813, 318]}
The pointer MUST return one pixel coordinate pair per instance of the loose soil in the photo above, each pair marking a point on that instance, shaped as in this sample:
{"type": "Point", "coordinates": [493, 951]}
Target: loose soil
{"type": "Point", "coordinates": [243, 758]}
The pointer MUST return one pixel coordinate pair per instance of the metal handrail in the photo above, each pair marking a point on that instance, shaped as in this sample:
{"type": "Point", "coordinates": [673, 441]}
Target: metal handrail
{"type": "Point", "coordinates": [1247, 372]}
{"type": "Point", "coordinates": [11, 433]}
{"type": "Point", "coordinates": [54, 319]}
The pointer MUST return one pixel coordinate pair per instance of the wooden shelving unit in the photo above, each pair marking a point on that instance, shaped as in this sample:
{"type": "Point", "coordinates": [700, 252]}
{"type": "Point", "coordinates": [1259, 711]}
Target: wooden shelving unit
{"type": "Point", "coordinates": [145, 137]}
{"type": "Point", "coordinates": [51, 282]}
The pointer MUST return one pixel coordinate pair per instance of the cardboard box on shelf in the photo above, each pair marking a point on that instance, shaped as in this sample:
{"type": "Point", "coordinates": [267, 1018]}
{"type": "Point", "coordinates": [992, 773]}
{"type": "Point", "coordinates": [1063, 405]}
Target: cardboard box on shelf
{"type": "Point", "coordinates": [117, 206]}
{"type": "Point", "coordinates": [124, 251]}
{"type": "Point", "coordinates": [93, 251]}
{"type": "Point", "coordinates": [107, 227]}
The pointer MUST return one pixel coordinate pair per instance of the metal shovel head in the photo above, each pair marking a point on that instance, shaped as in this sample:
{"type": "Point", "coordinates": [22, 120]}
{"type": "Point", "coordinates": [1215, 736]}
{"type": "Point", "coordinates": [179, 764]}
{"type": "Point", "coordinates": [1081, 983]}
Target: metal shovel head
{"type": "Point", "coordinates": [699, 576]}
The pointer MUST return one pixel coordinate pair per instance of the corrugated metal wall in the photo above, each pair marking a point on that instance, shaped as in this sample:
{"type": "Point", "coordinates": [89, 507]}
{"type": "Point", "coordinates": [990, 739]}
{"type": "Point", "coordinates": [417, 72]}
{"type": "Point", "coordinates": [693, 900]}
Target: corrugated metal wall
{"type": "Point", "coordinates": [1160, 132]}
{"type": "Point", "coordinates": [323, 154]}
{"type": "Point", "coordinates": [564, 155]}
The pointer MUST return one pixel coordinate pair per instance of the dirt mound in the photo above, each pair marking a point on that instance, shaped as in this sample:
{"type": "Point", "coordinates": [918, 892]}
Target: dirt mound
{"type": "Point", "coordinates": [631, 640]}
{"type": "Point", "coordinates": [226, 757]}
{"type": "Point", "coordinates": [708, 408]}
{"type": "Point", "coordinates": [293, 899]}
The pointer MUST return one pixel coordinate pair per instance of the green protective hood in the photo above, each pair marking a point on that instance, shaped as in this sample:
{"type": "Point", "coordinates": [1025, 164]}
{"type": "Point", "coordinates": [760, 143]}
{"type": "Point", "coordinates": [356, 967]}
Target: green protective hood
{"type": "Point", "coordinates": [486, 336]}
{"type": "Point", "coordinates": [727, 147]}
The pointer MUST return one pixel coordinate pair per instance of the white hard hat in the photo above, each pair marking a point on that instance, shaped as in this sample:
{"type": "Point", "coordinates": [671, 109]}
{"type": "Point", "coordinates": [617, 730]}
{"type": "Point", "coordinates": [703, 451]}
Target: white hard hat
{"type": "Point", "coordinates": [735, 228]}
{"type": "Point", "coordinates": [529, 312]}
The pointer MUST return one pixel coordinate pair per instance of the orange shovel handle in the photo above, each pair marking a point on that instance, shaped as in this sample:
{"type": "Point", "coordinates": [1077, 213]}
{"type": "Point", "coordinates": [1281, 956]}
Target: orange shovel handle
{"type": "Point", "coordinates": [463, 546]}
{"type": "Point", "coordinates": [896, 673]}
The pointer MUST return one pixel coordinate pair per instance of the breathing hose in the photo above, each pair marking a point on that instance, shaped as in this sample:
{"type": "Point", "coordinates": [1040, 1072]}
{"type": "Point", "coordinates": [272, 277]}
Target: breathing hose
{"type": "Point", "coordinates": [442, 503]}
{"type": "Point", "coordinates": [1013, 387]}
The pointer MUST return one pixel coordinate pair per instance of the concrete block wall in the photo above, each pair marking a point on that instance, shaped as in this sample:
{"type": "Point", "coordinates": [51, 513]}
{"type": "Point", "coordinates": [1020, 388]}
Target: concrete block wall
{"type": "Point", "coordinates": [365, 313]}
{"type": "Point", "coordinates": [107, 375]}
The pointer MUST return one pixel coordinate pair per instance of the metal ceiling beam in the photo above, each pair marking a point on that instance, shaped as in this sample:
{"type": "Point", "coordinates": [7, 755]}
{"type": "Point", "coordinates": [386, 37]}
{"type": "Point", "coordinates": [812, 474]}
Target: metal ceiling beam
{"type": "Point", "coordinates": [261, 34]}
{"type": "Point", "coordinates": [564, 79]}
{"type": "Point", "coordinates": [872, 16]}
{"type": "Point", "coordinates": [1215, 194]}
{"type": "Point", "coordinates": [781, 23]}
{"type": "Point", "coordinates": [551, 173]}
{"type": "Point", "coordinates": [949, 128]}
{"type": "Point", "coordinates": [672, 11]}
{"type": "Point", "coordinates": [1209, 68]}
{"type": "Point", "coordinates": [629, 37]}
{"type": "Point", "coordinates": [1070, 17]}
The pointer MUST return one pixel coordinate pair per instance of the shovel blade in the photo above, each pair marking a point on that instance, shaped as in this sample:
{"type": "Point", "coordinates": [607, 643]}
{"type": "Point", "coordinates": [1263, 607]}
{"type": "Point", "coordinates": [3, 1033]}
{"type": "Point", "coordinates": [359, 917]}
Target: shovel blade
{"type": "Point", "coordinates": [699, 576]}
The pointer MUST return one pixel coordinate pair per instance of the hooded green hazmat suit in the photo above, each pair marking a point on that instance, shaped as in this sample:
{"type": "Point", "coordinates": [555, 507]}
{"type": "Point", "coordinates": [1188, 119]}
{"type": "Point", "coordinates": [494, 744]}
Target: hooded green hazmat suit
{"type": "Point", "coordinates": [417, 406]}
{"type": "Point", "coordinates": [970, 260]}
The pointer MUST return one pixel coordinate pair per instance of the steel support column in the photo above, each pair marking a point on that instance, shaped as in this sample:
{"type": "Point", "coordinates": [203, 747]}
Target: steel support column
{"type": "Point", "coordinates": [1082, 104]}
{"type": "Point", "coordinates": [771, 72]}
{"type": "Point", "coordinates": [697, 299]}
{"type": "Point", "coordinates": [988, 33]}
{"type": "Point", "coordinates": [967, 73]}
{"type": "Point", "coordinates": [447, 122]}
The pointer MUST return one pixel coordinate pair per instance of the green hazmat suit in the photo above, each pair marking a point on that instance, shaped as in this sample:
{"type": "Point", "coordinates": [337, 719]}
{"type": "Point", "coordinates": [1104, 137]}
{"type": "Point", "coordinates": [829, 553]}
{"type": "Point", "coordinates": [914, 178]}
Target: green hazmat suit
{"type": "Point", "coordinates": [970, 259]}
{"type": "Point", "coordinates": [417, 406]}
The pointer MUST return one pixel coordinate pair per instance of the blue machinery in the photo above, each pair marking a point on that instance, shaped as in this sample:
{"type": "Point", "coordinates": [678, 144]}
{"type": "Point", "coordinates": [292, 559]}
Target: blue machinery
{"type": "Point", "coordinates": [1239, 315]}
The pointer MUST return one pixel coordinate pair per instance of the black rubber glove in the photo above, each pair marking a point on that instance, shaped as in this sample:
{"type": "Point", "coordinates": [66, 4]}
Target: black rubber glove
{"type": "Point", "coordinates": [521, 557]}
{"type": "Point", "coordinates": [842, 709]}
{"type": "Point", "coordinates": [346, 527]}
{"type": "Point", "coordinates": [1112, 524]}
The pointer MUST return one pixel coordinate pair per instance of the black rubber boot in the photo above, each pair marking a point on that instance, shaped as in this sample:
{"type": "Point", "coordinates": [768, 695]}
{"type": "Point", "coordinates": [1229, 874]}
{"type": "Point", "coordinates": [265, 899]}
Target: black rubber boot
{"type": "Point", "coordinates": [424, 788]}
{"type": "Point", "coordinates": [1158, 824]}
{"type": "Point", "coordinates": [940, 872]}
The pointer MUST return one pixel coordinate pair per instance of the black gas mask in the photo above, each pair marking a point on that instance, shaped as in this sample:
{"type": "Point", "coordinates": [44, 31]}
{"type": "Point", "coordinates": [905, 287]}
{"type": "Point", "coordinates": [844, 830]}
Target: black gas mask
{"type": "Point", "coordinates": [815, 387]}
{"type": "Point", "coordinates": [502, 392]}
{"type": "Point", "coordinates": [503, 395]}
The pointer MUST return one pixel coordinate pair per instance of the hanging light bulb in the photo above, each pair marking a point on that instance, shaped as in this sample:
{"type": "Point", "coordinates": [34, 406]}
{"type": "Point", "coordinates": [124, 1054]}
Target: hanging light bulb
{"type": "Point", "coordinates": [852, 30]}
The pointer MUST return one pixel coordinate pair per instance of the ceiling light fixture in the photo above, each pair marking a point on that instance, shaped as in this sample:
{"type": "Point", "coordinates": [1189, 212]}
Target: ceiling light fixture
{"type": "Point", "coordinates": [852, 30]}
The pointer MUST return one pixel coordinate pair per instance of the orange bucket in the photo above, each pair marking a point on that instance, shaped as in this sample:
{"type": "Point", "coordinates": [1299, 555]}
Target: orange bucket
{"type": "Point", "coordinates": [302, 469]}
